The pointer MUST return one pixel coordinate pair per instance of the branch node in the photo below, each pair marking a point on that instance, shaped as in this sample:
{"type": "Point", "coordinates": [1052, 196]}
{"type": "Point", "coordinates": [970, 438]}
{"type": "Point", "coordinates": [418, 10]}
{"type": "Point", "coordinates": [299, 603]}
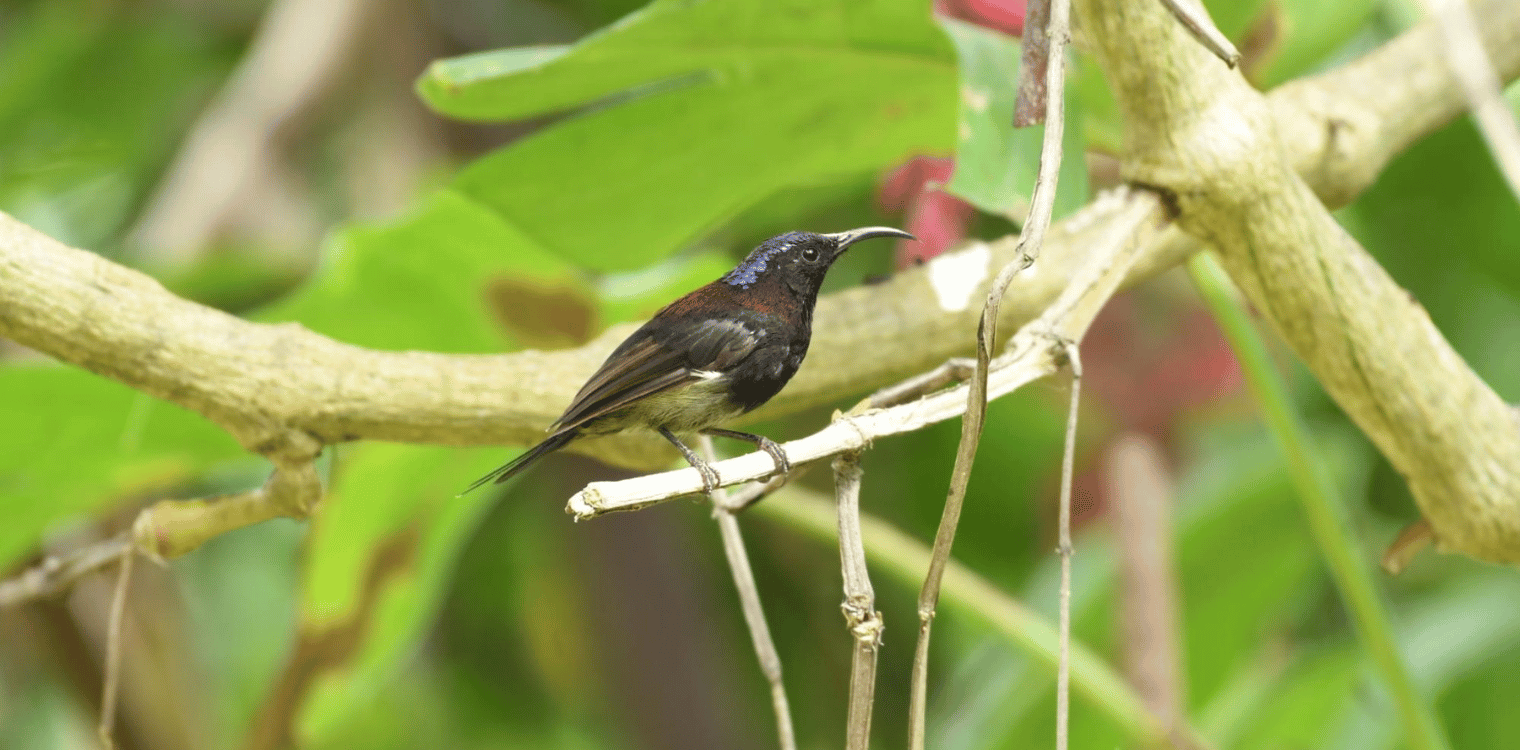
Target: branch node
{"type": "Point", "coordinates": [866, 624]}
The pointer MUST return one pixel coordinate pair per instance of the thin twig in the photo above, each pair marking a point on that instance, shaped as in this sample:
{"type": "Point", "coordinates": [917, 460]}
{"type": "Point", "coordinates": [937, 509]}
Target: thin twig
{"type": "Point", "coordinates": [58, 572]}
{"type": "Point", "coordinates": [749, 601]}
{"type": "Point", "coordinates": [112, 666]}
{"type": "Point", "coordinates": [1195, 18]}
{"type": "Point", "coordinates": [1042, 204]}
{"type": "Point", "coordinates": [1470, 64]}
{"type": "Point", "coordinates": [1030, 106]}
{"type": "Point", "coordinates": [170, 528]}
{"type": "Point", "coordinates": [1063, 668]}
{"type": "Point", "coordinates": [1139, 489]}
{"type": "Point", "coordinates": [755, 492]}
{"type": "Point", "coordinates": [860, 615]}
{"type": "Point", "coordinates": [954, 370]}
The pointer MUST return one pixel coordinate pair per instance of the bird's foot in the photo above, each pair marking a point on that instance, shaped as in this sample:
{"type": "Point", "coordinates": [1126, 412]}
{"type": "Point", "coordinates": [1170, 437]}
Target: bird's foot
{"type": "Point", "coordinates": [710, 481]}
{"type": "Point", "coordinates": [783, 464]}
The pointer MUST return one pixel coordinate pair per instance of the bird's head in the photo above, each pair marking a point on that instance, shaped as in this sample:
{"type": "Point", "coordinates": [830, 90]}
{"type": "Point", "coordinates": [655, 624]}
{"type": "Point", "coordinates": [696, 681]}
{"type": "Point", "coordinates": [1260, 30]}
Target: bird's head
{"type": "Point", "coordinates": [799, 260]}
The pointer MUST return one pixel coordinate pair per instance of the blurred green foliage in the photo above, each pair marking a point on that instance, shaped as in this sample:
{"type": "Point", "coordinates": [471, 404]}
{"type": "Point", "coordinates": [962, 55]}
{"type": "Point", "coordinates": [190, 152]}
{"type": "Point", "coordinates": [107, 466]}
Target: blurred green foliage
{"type": "Point", "coordinates": [661, 145]}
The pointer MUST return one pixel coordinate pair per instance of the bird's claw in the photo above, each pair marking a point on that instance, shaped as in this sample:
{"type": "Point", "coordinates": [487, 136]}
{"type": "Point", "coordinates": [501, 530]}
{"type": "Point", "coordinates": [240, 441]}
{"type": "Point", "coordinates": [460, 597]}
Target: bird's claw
{"type": "Point", "coordinates": [783, 464]}
{"type": "Point", "coordinates": [710, 481]}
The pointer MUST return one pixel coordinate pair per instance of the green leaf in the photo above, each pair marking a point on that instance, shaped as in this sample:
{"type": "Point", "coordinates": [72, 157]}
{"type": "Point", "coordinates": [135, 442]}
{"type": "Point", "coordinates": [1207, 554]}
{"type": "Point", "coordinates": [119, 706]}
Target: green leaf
{"type": "Point", "coordinates": [996, 163]}
{"type": "Point", "coordinates": [714, 107]}
{"type": "Point", "coordinates": [672, 38]}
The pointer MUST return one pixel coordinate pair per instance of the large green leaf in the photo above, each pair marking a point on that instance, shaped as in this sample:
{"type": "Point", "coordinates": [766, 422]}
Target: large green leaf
{"type": "Point", "coordinates": [706, 109]}
{"type": "Point", "coordinates": [996, 163]}
{"type": "Point", "coordinates": [679, 37]}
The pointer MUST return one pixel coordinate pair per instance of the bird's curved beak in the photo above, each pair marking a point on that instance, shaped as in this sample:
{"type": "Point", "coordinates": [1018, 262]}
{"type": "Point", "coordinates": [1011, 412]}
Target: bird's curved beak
{"type": "Point", "coordinates": [843, 240]}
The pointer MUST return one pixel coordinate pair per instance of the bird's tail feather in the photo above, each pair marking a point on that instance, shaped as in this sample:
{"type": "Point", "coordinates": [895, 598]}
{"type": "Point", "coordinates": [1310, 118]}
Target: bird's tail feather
{"type": "Point", "coordinates": [511, 468]}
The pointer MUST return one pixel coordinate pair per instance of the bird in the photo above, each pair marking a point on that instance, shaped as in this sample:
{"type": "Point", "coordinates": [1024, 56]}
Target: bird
{"type": "Point", "coordinates": [712, 355]}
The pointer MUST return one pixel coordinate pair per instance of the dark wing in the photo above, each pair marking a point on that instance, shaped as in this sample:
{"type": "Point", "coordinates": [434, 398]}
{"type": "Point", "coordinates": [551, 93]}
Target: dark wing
{"type": "Point", "coordinates": [648, 363]}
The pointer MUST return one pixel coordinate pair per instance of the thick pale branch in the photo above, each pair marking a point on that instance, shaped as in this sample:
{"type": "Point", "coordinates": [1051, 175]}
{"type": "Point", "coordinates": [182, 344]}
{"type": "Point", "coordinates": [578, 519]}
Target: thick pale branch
{"type": "Point", "coordinates": [281, 389]}
{"type": "Point", "coordinates": [1199, 130]}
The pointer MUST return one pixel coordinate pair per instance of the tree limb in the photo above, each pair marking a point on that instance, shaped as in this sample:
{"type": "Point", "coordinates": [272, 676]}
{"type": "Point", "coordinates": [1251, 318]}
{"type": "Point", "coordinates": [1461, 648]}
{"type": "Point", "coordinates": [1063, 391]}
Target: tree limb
{"type": "Point", "coordinates": [1338, 129]}
{"type": "Point", "coordinates": [170, 528]}
{"type": "Point", "coordinates": [1198, 130]}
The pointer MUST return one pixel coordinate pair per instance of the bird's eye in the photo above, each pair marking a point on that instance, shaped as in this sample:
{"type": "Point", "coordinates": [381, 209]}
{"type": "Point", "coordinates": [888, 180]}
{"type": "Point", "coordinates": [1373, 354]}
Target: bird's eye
{"type": "Point", "coordinates": [810, 254]}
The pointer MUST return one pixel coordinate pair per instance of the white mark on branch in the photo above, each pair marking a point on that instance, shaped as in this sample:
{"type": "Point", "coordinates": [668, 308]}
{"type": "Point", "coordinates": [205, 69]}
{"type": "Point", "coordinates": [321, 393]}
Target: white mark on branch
{"type": "Point", "coordinates": [956, 276]}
